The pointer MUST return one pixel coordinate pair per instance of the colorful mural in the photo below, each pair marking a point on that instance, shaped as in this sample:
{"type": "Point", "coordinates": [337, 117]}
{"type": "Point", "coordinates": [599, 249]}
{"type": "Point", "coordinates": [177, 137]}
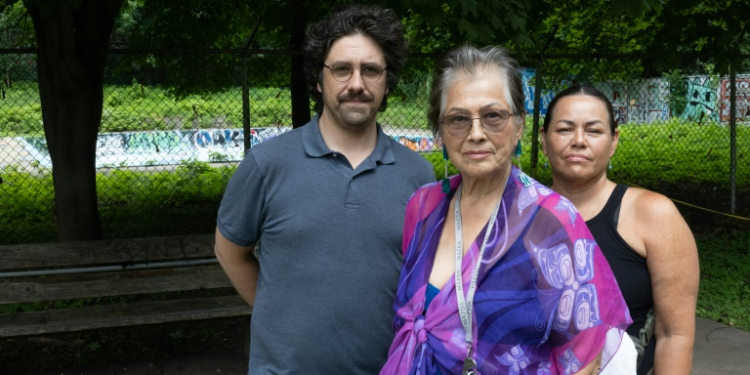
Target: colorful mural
{"type": "Point", "coordinates": [702, 100]}
{"type": "Point", "coordinates": [742, 112]}
{"type": "Point", "coordinates": [643, 101]}
{"type": "Point", "coordinates": [163, 147]}
{"type": "Point", "coordinates": [150, 148]}
{"type": "Point", "coordinates": [416, 142]}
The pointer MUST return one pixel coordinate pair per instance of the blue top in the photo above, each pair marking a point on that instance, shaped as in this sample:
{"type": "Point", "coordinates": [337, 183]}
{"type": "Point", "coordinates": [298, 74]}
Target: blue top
{"type": "Point", "coordinates": [429, 295]}
{"type": "Point", "coordinates": [330, 249]}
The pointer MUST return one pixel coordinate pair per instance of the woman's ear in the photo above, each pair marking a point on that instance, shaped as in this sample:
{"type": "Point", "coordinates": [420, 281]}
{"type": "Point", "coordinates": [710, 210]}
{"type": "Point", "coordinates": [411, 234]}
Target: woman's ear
{"type": "Point", "coordinates": [615, 141]}
{"type": "Point", "coordinates": [543, 141]}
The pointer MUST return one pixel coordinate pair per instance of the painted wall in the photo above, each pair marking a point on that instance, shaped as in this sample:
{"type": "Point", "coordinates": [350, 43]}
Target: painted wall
{"type": "Point", "coordinates": [173, 147]}
{"type": "Point", "coordinates": [647, 100]}
{"type": "Point", "coordinates": [644, 101]}
{"type": "Point", "coordinates": [702, 100]}
{"type": "Point", "coordinates": [742, 111]}
{"type": "Point", "coordinates": [163, 147]}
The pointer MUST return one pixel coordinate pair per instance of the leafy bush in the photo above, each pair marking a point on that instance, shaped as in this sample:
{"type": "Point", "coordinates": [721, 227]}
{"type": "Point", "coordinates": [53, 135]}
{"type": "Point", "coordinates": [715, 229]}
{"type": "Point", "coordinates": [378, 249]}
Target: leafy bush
{"type": "Point", "coordinates": [725, 277]}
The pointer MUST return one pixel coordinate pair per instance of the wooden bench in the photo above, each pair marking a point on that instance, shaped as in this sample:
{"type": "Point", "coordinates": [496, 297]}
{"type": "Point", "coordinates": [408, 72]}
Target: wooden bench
{"type": "Point", "coordinates": [160, 276]}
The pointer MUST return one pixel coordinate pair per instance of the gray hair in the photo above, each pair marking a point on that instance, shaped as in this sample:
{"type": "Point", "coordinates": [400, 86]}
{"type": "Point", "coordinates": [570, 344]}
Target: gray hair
{"type": "Point", "coordinates": [467, 60]}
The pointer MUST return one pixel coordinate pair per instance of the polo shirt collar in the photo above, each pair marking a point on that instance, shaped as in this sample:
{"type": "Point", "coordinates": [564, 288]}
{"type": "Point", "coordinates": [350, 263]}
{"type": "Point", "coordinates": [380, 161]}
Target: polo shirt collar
{"type": "Point", "coordinates": [315, 146]}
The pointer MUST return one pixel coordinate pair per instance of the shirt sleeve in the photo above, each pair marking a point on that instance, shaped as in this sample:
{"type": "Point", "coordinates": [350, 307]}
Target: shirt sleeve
{"type": "Point", "coordinates": [241, 213]}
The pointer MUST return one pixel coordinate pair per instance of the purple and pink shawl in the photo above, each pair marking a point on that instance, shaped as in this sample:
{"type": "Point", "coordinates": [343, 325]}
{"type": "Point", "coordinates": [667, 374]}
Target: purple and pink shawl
{"type": "Point", "coordinates": [545, 299]}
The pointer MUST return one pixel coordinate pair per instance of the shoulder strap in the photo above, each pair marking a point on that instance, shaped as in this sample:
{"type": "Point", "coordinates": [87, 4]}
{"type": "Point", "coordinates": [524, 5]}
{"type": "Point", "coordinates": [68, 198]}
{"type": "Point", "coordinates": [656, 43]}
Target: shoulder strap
{"type": "Point", "coordinates": [614, 202]}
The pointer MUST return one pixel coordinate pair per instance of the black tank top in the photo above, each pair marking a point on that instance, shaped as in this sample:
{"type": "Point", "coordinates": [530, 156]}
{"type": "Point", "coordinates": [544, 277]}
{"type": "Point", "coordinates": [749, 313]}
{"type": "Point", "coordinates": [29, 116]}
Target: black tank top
{"type": "Point", "coordinates": [628, 266]}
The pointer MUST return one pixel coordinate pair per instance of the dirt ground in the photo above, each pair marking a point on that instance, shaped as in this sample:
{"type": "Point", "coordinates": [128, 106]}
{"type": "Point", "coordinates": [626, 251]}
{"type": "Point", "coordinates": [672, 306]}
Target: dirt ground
{"type": "Point", "coordinates": [202, 347]}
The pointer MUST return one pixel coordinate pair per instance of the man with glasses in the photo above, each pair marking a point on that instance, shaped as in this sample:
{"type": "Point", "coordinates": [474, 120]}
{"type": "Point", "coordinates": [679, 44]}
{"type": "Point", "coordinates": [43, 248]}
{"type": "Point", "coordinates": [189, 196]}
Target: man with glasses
{"type": "Point", "coordinates": [326, 204]}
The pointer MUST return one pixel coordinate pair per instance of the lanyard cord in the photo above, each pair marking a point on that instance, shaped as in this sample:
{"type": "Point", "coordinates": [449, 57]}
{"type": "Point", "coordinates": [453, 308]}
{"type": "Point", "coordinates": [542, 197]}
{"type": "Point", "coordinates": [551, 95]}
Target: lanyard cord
{"type": "Point", "coordinates": [465, 305]}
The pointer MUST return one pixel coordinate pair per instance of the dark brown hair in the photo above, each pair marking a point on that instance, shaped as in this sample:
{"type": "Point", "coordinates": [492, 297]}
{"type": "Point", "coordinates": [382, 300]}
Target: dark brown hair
{"type": "Point", "coordinates": [381, 25]}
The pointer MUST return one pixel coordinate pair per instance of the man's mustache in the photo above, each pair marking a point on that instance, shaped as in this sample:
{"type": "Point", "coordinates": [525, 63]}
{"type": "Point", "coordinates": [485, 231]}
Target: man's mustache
{"type": "Point", "coordinates": [356, 97]}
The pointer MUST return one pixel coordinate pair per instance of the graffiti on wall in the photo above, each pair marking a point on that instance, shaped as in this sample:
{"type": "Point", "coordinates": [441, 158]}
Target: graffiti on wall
{"type": "Point", "coordinates": [742, 111]}
{"type": "Point", "coordinates": [617, 92]}
{"type": "Point", "coordinates": [164, 147]}
{"type": "Point", "coordinates": [416, 143]}
{"type": "Point", "coordinates": [651, 102]}
{"type": "Point", "coordinates": [701, 100]}
{"type": "Point", "coordinates": [173, 147]}
{"type": "Point", "coordinates": [642, 101]}
{"type": "Point", "coordinates": [222, 138]}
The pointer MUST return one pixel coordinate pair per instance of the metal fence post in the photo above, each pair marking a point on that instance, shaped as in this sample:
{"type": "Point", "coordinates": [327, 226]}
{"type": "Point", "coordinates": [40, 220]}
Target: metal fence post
{"type": "Point", "coordinates": [535, 126]}
{"type": "Point", "coordinates": [245, 102]}
{"type": "Point", "coordinates": [246, 87]}
{"type": "Point", "coordinates": [733, 136]}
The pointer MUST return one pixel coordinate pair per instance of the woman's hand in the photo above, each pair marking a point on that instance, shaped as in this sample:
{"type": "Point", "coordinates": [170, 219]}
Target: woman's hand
{"type": "Point", "coordinates": [593, 367]}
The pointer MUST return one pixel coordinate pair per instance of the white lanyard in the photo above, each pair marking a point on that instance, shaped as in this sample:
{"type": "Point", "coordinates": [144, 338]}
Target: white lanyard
{"type": "Point", "coordinates": [465, 305]}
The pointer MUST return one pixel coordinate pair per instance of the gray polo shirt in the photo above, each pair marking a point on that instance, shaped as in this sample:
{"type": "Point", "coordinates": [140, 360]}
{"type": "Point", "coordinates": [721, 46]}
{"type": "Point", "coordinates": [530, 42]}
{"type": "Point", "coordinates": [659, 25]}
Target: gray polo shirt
{"type": "Point", "coordinates": [330, 252]}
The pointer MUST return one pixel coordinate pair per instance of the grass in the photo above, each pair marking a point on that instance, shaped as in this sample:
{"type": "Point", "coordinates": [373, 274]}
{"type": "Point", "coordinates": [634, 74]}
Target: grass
{"type": "Point", "coordinates": [725, 276]}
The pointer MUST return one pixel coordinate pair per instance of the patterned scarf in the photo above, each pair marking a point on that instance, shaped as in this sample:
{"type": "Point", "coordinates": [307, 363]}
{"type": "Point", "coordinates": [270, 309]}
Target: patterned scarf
{"type": "Point", "coordinates": [545, 299]}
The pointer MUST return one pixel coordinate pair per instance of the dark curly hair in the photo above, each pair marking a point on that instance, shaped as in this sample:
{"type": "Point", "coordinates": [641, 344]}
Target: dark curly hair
{"type": "Point", "coordinates": [381, 25]}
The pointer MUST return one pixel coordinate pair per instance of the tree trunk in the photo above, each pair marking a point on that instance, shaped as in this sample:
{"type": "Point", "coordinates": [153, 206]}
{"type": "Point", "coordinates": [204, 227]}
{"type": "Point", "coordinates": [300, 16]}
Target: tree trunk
{"type": "Point", "coordinates": [73, 43]}
{"type": "Point", "coordinates": [300, 96]}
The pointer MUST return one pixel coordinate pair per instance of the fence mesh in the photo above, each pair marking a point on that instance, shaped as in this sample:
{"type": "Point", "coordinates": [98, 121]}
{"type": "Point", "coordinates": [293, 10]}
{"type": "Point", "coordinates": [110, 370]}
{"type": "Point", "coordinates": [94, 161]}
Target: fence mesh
{"type": "Point", "coordinates": [172, 134]}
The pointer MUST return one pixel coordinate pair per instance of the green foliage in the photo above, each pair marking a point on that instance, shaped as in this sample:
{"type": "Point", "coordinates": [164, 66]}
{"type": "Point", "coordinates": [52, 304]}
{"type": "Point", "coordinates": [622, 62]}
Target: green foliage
{"type": "Point", "coordinates": [717, 30]}
{"type": "Point", "coordinates": [216, 157]}
{"type": "Point", "coordinates": [131, 203]}
{"type": "Point", "coordinates": [22, 112]}
{"type": "Point", "coordinates": [678, 88]}
{"type": "Point", "coordinates": [171, 24]}
{"type": "Point", "coordinates": [438, 164]}
{"type": "Point", "coordinates": [26, 215]}
{"type": "Point", "coordinates": [725, 277]}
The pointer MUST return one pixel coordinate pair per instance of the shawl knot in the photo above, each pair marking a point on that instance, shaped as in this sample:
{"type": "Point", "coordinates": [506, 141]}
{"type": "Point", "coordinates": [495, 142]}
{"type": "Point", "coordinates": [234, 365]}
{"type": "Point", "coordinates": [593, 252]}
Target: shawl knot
{"type": "Point", "coordinates": [419, 330]}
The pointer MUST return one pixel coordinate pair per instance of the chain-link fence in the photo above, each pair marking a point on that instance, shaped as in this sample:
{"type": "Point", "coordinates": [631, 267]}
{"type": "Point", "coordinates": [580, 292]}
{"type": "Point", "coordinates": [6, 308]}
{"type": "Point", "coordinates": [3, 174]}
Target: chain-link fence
{"type": "Point", "coordinates": [172, 134]}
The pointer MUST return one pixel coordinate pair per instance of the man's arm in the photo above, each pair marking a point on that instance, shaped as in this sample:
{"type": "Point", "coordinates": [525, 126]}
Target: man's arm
{"type": "Point", "coordinates": [240, 265]}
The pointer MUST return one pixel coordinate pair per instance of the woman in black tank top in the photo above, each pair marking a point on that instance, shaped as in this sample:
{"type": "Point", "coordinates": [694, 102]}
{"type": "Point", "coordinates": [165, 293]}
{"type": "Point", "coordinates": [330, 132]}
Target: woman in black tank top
{"type": "Point", "coordinates": [646, 241]}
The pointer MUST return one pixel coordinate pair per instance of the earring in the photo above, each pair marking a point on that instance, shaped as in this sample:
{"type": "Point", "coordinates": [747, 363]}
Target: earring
{"type": "Point", "coordinates": [518, 153]}
{"type": "Point", "coordinates": [609, 167]}
{"type": "Point", "coordinates": [446, 182]}
{"type": "Point", "coordinates": [545, 165]}
{"type": "Point", "coordinates": [518, 149]}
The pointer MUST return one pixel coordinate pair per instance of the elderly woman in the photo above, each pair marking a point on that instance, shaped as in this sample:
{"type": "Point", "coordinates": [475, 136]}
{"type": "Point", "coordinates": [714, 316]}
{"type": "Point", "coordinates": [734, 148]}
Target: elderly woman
{"type": "Point", "coordinates": [644, 238]}
{"type": "Point", "coordinates": [500, 274]}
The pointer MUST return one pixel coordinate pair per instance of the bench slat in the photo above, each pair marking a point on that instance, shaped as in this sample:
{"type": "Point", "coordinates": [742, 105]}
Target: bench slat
{"type": "Point", "coordinates": [97, 317]}
{"type": "Point", "coordinates": [116, 251]}
{"type": "Point", "coordinates": [79, 286]}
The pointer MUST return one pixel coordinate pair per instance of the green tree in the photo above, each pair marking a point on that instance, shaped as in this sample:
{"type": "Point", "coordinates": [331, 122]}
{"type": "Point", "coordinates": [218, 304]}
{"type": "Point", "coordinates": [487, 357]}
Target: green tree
{"type": "Point", "coordinates": [716, 31]}
{"type": "Point", "coordinates": [13, 34]}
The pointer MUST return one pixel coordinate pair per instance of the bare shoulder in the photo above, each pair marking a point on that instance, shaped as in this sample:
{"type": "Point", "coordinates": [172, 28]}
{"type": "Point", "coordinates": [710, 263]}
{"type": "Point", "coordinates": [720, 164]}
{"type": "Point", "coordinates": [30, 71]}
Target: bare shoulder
{"type": "Point", "coordinates": [660, 227]}
{"type": "Point", "coordinates": [650, 207]}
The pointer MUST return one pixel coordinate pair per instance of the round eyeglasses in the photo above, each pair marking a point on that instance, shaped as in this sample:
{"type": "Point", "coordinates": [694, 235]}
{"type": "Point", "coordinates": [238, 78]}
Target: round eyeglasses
{"type": "Point", "coordinates": [343, 72]}
{"type": "Point", "coordinates": [459, 125]}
